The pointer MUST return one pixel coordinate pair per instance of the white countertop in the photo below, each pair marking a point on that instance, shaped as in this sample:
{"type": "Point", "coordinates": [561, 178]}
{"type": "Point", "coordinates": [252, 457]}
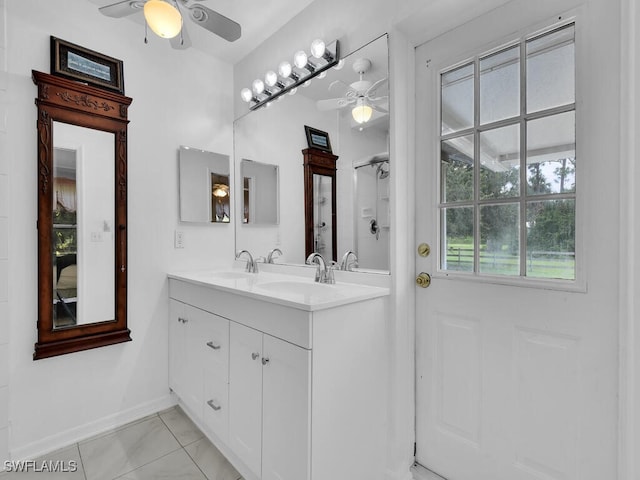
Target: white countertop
{"type": "Point", "coordinates": [288, 290]}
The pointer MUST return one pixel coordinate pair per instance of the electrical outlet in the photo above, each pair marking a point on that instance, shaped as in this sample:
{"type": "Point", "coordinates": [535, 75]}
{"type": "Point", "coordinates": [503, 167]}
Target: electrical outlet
{"type": "Point", "coordinates": [179, 239]}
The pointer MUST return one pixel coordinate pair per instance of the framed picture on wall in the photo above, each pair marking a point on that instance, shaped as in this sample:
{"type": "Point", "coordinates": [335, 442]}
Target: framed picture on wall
{"type": "Point", "coordinates": [78, 63]}
{"type": "Point", "coordinates": [318, 139]}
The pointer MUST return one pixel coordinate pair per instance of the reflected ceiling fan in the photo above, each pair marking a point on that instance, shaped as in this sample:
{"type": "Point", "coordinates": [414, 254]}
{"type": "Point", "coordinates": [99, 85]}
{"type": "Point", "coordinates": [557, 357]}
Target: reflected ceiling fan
{"type": "Point", "coordinates": [174, 11]}
{"type": "Point", "coordinates": [363, 96]}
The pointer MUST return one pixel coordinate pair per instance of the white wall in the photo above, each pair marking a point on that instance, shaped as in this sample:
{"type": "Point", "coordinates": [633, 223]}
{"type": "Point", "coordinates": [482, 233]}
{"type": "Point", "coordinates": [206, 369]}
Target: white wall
{"type": "Point", "coordinates": [179, 98]}
{"type": "Point", "coordinates": [4, 242]}
{"type": "Point", "coordinates": [629, 435]}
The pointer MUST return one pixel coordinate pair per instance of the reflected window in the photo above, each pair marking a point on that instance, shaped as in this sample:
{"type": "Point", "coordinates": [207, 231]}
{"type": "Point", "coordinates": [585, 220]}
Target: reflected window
{"type": "Point", "coordinates": [508, 160]}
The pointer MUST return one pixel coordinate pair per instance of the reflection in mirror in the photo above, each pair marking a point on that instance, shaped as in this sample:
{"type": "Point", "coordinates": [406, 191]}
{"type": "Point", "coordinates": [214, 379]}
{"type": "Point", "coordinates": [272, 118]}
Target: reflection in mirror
{"type": "Point", "coordinates": [83, 224]}
{"type": "Point", "coordinates": [322, 212]}
{"type": "Point", "coordinates": [276, 135]}
{"type": "Point", "coordinates": [205, 193]}
{"type": "Point", "coordinates": [260, 192]}
{"type": "Point", "coordinates": [372, 204]}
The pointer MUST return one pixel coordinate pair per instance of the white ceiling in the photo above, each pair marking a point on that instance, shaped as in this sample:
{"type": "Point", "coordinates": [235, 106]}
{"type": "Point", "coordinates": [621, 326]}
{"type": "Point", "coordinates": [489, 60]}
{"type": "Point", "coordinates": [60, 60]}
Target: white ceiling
{"type": "Point", "coordinates": [259, 20]}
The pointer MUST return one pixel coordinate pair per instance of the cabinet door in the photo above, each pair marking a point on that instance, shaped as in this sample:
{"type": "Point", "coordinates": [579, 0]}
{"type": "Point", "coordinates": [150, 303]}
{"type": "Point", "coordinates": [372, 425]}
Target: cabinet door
{"type": "Point", "coordinates": [215, 343]}
{"type": "Point", "coordinates": [177, 347]}
{"type": "Point", "coordinates": [193, 389]}
{"type": "Point", "coordinates": [245, 395]}
{"type": "Point", "coordinates": [286, 424]}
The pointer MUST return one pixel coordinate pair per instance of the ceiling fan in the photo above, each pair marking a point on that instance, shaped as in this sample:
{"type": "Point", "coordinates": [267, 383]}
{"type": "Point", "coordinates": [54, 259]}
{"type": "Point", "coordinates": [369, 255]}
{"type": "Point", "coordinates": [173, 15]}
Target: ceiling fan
{"type": "Point", "coordinates": [363, 95]}
{"type": "Point", "coordinates": [200, 15]}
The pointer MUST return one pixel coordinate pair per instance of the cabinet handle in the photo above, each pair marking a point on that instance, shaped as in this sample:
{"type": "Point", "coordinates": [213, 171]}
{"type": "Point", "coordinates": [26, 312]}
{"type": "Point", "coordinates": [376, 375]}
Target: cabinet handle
{"type": "Point", "coordinates": [265, 360]}
{"type": "Point", "coordinates": [254, 355]}
{"type": "Point", "coordinates": [213, 345]}
{"type": "Point", "coordinates": [212, 404]}
{"type": "Point", "coordinates": [183, 320]}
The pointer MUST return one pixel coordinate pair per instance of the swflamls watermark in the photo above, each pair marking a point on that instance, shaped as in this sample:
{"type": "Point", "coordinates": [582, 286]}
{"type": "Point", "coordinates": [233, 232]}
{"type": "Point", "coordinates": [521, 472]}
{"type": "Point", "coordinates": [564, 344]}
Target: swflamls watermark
{"type": "Point", "coordinates": [42, 466]}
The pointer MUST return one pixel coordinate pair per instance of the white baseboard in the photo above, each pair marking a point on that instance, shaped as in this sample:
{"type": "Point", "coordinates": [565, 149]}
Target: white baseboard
{"type": "Point", "coordinates": [69, 437]}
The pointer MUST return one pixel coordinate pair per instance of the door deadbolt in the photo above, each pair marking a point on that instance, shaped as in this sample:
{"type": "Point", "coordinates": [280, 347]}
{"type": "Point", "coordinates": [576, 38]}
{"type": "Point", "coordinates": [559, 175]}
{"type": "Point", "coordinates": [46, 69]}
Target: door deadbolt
{"type": "Point", "coordinates": [424, 249]}
{"type": "Point", "coordinates": [423, 280]}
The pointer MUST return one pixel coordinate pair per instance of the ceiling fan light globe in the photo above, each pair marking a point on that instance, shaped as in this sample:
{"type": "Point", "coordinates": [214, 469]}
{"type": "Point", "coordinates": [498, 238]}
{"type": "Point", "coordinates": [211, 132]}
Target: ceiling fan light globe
{"type": "Point", "coordinates": [318, 48]}
{"type": "Point", "coordinates": [362, 113]}
{"type": "Point", "coordinates": [300, 59]}
{"type": "Point", "coordinates": [163, 18]}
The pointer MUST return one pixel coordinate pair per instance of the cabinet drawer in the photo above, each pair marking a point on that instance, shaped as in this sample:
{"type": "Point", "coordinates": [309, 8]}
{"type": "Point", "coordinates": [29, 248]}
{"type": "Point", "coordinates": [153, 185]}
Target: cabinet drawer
{"type": "Point", "coordinates": [216, 405]}
{"type": "Point", "coordinates": [215, 343]}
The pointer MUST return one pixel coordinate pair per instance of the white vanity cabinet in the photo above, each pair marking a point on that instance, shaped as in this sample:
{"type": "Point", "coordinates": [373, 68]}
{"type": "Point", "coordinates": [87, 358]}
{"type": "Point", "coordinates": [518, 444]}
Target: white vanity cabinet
{"type": "Point", "coordinates": [290, 392]}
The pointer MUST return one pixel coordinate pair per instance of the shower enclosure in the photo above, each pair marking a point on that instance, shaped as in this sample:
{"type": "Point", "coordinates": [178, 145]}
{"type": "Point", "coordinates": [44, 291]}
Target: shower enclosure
{"type": "Point", "coordinates": [371, 218]}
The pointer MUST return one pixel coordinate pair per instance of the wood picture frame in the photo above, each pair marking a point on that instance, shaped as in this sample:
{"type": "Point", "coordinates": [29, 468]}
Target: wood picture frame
{"type": "Point", "coordinates": [318, 139]}
{"type": "Point", "coordinates": [74, 62]}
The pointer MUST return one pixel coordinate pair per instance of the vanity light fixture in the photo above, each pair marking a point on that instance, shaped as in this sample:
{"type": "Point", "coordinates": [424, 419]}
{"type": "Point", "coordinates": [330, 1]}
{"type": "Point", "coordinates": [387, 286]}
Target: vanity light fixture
{"type": "Point", "coordinates": [290, 77]}
{"type": "Point", "coordinates": [163, 18]}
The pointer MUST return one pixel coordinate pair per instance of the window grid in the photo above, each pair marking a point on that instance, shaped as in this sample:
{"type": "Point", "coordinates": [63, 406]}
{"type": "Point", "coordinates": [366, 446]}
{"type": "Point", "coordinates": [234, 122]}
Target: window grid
{"type": "Point", "coordinates": [523, 198]}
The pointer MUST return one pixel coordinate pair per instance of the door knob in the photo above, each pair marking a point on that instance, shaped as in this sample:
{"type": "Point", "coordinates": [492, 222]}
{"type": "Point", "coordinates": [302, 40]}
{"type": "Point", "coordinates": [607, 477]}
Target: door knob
{"type": "Point", "coordinates": [423, 280]}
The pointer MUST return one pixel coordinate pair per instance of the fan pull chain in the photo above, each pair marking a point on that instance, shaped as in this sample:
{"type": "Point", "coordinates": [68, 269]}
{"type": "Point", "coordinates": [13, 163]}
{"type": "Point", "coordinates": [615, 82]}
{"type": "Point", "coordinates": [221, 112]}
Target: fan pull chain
{"type": "Point", "coordinates": [145, 32]}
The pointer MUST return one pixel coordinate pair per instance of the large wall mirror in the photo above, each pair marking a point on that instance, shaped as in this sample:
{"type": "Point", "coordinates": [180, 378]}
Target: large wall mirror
{"type": "Point", "coordinates": [82, 217]}
{"type": "Point", "coordinates": [360, 139]}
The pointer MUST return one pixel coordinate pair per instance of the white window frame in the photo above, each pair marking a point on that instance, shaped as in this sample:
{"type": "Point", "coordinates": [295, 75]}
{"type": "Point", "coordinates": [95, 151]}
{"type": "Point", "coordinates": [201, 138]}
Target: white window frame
{"type": "Point", "coordinates": [579, 283]}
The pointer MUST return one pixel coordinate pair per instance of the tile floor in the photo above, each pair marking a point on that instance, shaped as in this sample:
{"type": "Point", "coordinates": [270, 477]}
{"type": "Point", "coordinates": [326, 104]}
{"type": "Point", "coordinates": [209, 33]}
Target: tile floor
{"type": "Point", "coordinates": [166, 445]}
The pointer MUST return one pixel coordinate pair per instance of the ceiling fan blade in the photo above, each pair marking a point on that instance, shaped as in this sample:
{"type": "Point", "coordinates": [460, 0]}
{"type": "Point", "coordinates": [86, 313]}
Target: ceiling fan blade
{"type": "Point", "coordinates": [122, 9]}
{"type": "Point", "coordinates": [182, 41]}
{"type": "Point", "coordinates": [372, 89]}
{"type": "Point", "coordinates": [378, 108]}
{"type": "Point", "coordinates": [216, 23]}
{"type": "Point", "coordinates": [333, 104]}
{"type": "Point", "coordinates": [339, 87]}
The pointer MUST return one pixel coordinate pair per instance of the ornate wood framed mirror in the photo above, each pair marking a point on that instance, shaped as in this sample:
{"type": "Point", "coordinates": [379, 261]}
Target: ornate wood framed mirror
{"type": "Point", "coordinates": [82, 216]}
{"type": "Point", "coordinates": [321, 234]}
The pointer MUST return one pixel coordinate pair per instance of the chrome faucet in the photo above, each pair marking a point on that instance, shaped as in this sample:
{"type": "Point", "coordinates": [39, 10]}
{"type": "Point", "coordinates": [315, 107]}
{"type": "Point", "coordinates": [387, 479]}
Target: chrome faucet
{"type": "Point", "coordinates": [324, 272]}
{"type": "Point", "coordinates": [345, 264]}
{"type": "Point", "coordinates": [252, 266]}
{"type": "Point", "coordinates": [272, 255]}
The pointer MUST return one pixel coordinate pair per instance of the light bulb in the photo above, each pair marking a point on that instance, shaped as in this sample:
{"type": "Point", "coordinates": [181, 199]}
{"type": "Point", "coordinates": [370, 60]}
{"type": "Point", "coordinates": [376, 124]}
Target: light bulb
{"type": "Point", "coordinates": [284, 69]}
{"type": "Point", "coordinates": [163, 18]}
{"type": "Point", "coordinates": [362, 112]}
{"type": "Point", "coordinates": [246, 94]}
{"type": "Point", "coordinates": [317, 48]}
{"type": "Point", "coordinates": [258, 86]}
{"type": "Point", "coordinates": [271, 78]}
{"type": "Point", "coordinates": [300, 59]}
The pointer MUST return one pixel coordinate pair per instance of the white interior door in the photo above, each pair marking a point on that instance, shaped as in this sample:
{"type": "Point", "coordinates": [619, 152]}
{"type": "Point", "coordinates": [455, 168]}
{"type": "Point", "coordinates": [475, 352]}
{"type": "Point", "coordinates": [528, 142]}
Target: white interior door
{"type": "Point", "coordinates": [516, 373]}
